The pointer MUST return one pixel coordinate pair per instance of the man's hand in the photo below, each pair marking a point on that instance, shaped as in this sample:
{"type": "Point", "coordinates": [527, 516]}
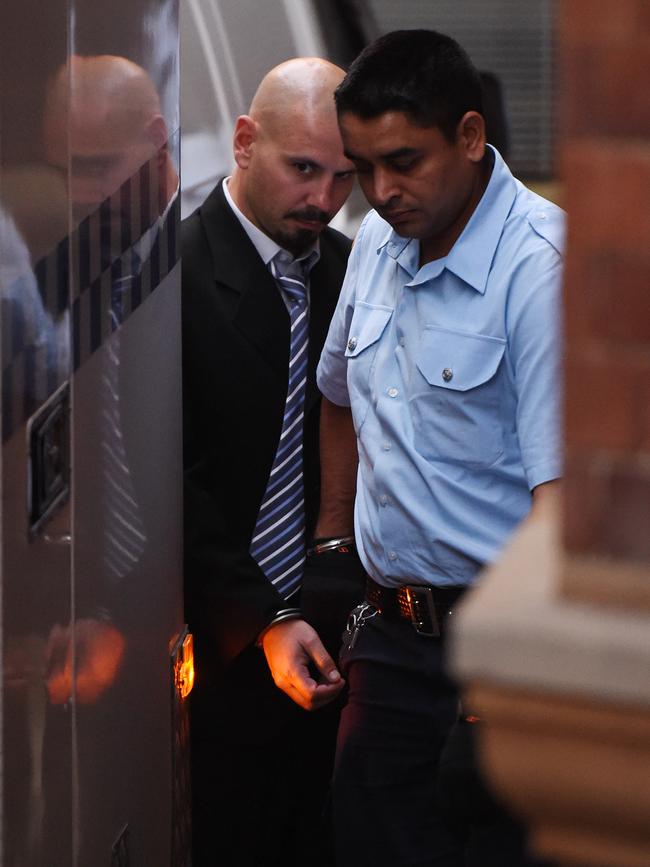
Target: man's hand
{"type": "Point", "coordinates": [290, 647]}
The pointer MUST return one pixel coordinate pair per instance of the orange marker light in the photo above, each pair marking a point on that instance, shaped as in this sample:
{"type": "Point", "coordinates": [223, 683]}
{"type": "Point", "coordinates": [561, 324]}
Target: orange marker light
{"type": "Point", "coordinates": [184, 667]}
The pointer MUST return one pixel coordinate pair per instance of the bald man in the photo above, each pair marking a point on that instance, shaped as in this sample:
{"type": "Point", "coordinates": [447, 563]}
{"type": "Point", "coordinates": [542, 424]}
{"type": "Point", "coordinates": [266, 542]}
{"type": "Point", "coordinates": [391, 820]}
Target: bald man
{"type": "Point", "coordinates": [261, 763]}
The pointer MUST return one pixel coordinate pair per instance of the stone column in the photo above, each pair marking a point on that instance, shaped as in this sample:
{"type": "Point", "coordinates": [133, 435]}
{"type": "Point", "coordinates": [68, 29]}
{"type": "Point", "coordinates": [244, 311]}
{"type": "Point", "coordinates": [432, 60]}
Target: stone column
{"type": "Point", "coordinates": [606, 169]}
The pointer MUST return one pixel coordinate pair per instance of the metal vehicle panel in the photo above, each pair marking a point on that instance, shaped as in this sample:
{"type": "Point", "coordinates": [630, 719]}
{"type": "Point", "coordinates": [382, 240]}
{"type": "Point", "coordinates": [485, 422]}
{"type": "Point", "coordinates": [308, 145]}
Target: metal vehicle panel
{"type": "Point", "coordinates": [91, 468]}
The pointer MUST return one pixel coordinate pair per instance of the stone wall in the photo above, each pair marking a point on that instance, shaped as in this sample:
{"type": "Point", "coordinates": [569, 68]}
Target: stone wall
{"type": "Point", "coordinates": [605, 163]}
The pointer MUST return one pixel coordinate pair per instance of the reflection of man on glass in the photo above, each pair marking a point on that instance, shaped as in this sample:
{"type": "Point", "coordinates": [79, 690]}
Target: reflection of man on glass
{"type": "Point", "coordinates": [103, 124]}
{"type": "Point", "coordinates": [103, 114]}
{"type": "Point", "coordinates": [105, 134]}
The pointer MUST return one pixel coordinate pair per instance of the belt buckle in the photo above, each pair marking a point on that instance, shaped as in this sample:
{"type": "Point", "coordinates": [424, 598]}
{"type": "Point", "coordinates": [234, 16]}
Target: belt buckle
{"type": "Point", "coordinates": [422, 611]}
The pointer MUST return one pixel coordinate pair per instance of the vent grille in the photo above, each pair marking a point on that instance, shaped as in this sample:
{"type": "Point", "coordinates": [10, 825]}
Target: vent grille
{"type": "Point", "coordinates": [512, 39]}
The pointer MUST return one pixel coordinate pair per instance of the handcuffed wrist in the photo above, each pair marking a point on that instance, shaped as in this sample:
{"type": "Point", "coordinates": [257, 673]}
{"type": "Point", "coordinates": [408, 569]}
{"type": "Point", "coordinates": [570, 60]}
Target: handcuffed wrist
{"type": "Point", "coordinates": [281, 616]}
{"type": "Point", "coordinates": [341, 544]}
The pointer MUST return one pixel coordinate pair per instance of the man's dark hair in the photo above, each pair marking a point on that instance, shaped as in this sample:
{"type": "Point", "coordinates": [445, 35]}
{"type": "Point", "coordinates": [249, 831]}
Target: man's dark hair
{"type": "Point", "coordinates": [422, 73]}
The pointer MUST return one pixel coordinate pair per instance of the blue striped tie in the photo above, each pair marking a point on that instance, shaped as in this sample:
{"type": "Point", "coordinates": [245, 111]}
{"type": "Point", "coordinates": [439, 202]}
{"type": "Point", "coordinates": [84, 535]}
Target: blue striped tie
{"type": "Point", "coordinates": [278, 542]}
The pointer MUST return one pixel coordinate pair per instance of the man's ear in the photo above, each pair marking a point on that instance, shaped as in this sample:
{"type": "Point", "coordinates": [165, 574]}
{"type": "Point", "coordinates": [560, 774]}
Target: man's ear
{"type": "Point", "coordinates": [243, 138]}
{"type": "Point", "coordinates": [157, 131]}
{"type": "Point", "coordinates": [471, 134]}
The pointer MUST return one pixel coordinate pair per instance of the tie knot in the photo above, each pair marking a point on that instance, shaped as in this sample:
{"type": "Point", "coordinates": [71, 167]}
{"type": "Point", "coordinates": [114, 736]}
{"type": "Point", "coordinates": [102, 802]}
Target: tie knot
{"type": "Point", "coordinates": [291, 279]}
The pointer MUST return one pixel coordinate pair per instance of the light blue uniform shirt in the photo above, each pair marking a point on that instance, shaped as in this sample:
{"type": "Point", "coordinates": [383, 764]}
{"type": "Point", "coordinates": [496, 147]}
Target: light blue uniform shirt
{"type": "Point", "coordinates": [451, 371]}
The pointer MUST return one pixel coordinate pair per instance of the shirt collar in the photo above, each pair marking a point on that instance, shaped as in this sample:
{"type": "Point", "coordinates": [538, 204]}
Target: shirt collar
{"type": "Point", "coordinates": [265, 246]}
{"type": "Point", "coordinates": [471, 256]}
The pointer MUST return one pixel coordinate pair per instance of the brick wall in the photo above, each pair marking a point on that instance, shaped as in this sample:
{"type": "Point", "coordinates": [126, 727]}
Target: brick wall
{"type": "Point", "coordinates": [605, 105]}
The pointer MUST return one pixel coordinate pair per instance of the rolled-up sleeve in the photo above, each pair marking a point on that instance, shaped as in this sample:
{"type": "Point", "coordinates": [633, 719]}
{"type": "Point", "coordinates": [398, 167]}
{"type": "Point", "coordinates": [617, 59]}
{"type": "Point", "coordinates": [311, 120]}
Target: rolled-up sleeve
{"type": "Point", "coordinates": [535, 343]}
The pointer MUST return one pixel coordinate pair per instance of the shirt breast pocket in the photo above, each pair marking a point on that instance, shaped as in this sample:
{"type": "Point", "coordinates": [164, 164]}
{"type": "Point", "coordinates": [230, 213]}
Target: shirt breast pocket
{"type": "Point", "coordinates": [456, 397]}
{"type": "Point", "coordinates": [367, 326]}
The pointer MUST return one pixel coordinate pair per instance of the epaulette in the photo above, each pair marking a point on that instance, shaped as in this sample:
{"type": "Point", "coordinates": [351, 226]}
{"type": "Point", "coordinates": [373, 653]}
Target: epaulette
{"type": "Point", "coordinates": [549, 222]}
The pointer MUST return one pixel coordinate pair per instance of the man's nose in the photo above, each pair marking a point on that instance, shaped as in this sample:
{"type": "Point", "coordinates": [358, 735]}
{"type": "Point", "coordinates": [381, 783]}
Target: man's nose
{"type": "Point", "coordinates": [321, 195]}
{"type": "Point", "coordinates": [383, 187]}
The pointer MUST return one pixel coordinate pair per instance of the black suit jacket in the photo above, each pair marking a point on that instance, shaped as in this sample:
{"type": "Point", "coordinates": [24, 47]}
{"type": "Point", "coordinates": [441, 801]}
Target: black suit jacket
{"type": "Point", "coordinates": [235, 358]}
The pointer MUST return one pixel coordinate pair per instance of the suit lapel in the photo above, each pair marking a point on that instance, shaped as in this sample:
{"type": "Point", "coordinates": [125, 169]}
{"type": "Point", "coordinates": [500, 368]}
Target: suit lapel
{"type": "Point", "coordinates": [258, 311]}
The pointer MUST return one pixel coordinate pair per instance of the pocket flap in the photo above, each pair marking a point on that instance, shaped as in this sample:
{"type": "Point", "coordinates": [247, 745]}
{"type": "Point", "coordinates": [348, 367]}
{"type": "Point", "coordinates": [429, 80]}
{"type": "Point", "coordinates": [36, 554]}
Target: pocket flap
{"type": "Point", "coordinates": [458, 360]}
{"type": "Point", "coordinates": [368, 323]}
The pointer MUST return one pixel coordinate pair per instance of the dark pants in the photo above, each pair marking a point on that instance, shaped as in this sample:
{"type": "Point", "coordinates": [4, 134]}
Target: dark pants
{"type": "Point", "coordinates": [261, 769]}
{"type": "Point", "coordinates": [401, 707]}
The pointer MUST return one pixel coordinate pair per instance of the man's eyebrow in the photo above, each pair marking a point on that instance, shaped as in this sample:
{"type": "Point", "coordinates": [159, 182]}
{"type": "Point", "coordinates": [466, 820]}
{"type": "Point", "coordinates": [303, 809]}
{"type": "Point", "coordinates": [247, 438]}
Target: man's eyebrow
{"type": "Point", "coordinates": [391, 155]}
{"type": "Point", "coordinates": [401, 152]}
{"type": "Point", "coordinates": [297, 158]}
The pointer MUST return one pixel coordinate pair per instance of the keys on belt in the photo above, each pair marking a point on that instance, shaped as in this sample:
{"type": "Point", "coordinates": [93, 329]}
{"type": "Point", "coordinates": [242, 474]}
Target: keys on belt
{"type": "Point", "coordinates": [425, 607]}
{"type": "Point", "coordinates": [356, 621]}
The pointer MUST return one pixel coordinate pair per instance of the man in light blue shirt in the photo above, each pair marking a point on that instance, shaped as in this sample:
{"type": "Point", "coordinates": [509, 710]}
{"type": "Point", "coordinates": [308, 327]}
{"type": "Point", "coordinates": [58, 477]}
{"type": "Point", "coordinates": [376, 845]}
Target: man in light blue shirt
{"type": "Point", "coordinates": [442, 361]}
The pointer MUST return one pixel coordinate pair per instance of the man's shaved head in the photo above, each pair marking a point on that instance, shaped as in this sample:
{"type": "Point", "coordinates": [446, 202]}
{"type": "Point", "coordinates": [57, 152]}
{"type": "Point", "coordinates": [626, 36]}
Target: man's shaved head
{"type": "Point", "coordinates": [294, 89]}
{"type": "Point", "coordinates": [291, 176]}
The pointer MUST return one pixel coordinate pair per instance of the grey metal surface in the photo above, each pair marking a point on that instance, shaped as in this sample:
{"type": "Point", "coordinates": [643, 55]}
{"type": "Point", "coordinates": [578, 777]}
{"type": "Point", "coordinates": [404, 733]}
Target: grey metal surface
{"type": "Point", "coordinates": [127, 516]}
{"type": "Point", "coordinates": [36, 735]}
{"type": "Point", "coordinates": [91, 597]}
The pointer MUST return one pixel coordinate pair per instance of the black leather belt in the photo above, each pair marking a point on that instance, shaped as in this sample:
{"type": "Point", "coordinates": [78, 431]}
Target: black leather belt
{"type": "Point", "coordinates": [425, 607]}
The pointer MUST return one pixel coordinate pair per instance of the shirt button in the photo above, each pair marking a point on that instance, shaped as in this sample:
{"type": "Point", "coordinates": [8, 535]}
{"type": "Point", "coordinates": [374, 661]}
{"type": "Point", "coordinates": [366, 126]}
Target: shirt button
{"type": "Point", "coordinates": [392, 555]}
{"type": "Point", "coordinates": [447, 374]}
{"type": "Point", "coordinates": [392, 392]}
{"type": "Point", "coordinates": [386, 447]}
{"type": "Point", "coordinates": [352, 343]}
{"type": "Point", "coordinates": [383, 499]}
